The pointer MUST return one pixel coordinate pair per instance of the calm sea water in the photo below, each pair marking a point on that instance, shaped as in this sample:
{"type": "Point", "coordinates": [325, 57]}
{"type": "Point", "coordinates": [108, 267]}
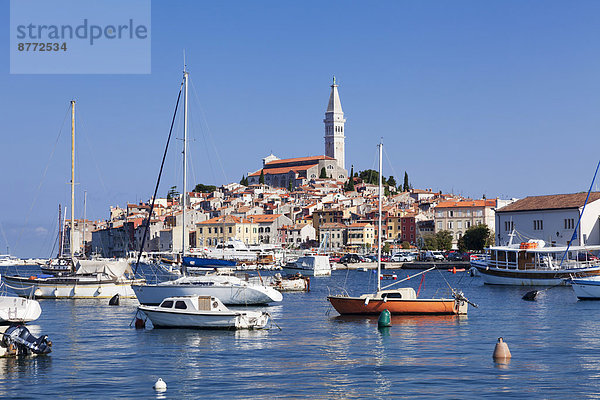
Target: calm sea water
{"type": "Point", "coordinates": [318, 354]}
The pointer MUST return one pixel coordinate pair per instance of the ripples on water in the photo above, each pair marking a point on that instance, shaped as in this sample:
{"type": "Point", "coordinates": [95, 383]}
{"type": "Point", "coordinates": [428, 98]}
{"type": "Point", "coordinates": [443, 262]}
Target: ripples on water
{"type": "Point", "coordinates": [319, 354]}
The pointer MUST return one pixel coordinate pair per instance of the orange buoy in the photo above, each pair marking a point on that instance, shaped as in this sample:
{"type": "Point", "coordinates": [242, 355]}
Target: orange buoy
{"type": "Point", "coordinates": [501, 351]}
{"type": "Point", "coordinates": [454, 269]}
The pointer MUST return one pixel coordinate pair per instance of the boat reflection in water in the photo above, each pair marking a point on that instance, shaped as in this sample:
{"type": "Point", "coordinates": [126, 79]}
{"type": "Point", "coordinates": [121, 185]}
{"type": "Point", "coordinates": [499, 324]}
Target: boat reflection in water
{"type": "Point", "coordinates": [404, 320]}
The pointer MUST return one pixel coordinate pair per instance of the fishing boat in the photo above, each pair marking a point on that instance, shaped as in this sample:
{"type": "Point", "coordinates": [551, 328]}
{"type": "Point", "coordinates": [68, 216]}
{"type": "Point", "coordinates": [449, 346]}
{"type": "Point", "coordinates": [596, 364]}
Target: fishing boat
{"type": "Point", "coordinates": [201, 312]}
{"type": "Point", "coordinates": [396, 301]}
{"type": "Point", "coordinates": [311, 265]}
{"type": "Point", "coordinates": [230, 290]}
{"type": "Point", "coordinates": [16, 309]}
{"type": "Point", "coordinates": [85, 278]}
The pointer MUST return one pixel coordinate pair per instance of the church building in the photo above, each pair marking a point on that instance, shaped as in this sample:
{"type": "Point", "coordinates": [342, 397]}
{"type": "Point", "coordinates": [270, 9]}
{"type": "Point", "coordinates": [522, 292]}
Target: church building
{"type": "Point", "coordinates": [299, 171]}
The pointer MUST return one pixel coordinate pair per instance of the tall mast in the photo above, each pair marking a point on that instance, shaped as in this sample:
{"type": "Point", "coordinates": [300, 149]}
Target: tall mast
{"type": "Point", "coordinates": [60, 234]}
{"type": "Point", "coordinates": [379, 222]}
{"type": "Point", "coordinates": [71, 242]}
{"type": "Point", "coordinates": [84, 224]}
{"type": "Point", "coordinates": [185, 127]}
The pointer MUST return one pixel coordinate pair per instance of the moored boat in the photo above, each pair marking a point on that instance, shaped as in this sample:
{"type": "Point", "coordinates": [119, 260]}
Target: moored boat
{"type": "Point", "coordinates": [311, 265]}
{"type": "Point", "coordinates": [201, 312]}
{"type": "Point", "coordinates": [587, 288]}
{"type": "Point", "coordinates": [396, 301]}
{"type": "Point", "coordinates": [533, 264]}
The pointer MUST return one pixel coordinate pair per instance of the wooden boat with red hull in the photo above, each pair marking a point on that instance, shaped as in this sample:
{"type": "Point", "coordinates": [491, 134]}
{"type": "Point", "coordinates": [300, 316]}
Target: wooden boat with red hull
{"type": "Point", "coordinates": [397, 301]}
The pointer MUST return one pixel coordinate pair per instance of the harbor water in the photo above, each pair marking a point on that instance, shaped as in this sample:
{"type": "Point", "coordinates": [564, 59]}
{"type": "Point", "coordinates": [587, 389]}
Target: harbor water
{"type": "Point", "coordinates": [319, 354]}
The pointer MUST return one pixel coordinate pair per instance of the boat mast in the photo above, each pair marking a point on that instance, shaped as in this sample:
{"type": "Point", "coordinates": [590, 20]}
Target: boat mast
{"type": "Point", "coordinates": [71, 241]}
{"type": "Point", "coordinates": [379, 222]}
{"type": "Point", "coordinates": [60, 233]}
{"type": "Point", "coordinates": [185, 127]}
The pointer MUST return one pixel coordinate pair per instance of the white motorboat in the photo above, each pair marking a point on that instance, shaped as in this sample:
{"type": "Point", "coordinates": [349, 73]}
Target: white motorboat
{"type": "Point", "coordinates": [230, 289]}
{"type": "Point", "coordinates": [6, 260]}
{"type": "Point", "coordinates": [201, 312]}
{"type": "Point", "coordinates": [92, 280]}
{"type": "Point", "coordinates": [16, 309]}
{"type": "Point", "coordinates": [309, 265]}
{"type": "Point", "coordinates": [586, 288]}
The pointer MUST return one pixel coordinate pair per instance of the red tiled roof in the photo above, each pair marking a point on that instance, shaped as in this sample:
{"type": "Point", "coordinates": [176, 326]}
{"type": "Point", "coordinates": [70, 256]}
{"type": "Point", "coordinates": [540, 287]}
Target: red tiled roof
{"type": "Point", "coordinates": [282, 170]}
{"type": "Point", "coordinates": [298, 159]}
{"type": "Point", "coordinates": [470, 203]}
{"type": "Point", "coordinates": [264, 217]}
{"type": "Point", "coordinates": [550, 202]}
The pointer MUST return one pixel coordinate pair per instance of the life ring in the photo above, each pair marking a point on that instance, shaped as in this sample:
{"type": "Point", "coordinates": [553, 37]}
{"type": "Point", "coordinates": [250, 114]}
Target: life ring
{"type": "Point", "coordinates": [243, 264]}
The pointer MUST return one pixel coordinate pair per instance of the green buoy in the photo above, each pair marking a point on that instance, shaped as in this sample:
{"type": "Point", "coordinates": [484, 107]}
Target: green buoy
{"type": "Point", "coordinates": [385, 319]}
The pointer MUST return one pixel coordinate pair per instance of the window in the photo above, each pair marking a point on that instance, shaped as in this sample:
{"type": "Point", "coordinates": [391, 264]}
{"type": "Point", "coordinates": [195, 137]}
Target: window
{"type": "Point", "coordinates": [538, 225]}
{"type": "Point", "coordinates": [460, 213]}
{"type": "Point", "coordinates": [330, 167]}
{"type": "Point", "coordinates": [467, 224]}
{"type": "Point", "coordinates": [412, 228]}
{"type": "Point", "coordinates": [450, 225]}
{"type": "Point", "coordinates": [451, 213]}
{"type": "Point", "coordinates": [459, 224]}
{"type": "Point", "coordinates": [569, 223]}
{"type": "Point", "coordinates": [230, 229]}
{"type": "Point", "coordinates": [180, 305]}
{"type": "Point", "coordinates": [209, 230]}
{"type": "Point", "coordinates": [221, 229]}
{"type": "Point", "coordinates": [509, 225]}
{"type": "Point", "coordinates": [479, 213]}
{"type": "Point", "coordinates": [267, 229]}
{"type": "Point", "coordinates": [167, 304]}
{"type": "Point", "coordinates": [439, 214]}
{"type": "Point", "coordinates": [440, 225]}
{"type": "Point", "coordinates": [200, 230]}
{"type": "Point", "coordinates": [468, 213]}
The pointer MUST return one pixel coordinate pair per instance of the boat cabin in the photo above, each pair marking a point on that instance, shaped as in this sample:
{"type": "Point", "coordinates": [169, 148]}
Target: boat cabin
{"type": "Point", "coordinates": [531, 256]}
{"type": "Point", "coordinates": [405, 293]}
{"type": "Point", "coordinates": [193, 303]}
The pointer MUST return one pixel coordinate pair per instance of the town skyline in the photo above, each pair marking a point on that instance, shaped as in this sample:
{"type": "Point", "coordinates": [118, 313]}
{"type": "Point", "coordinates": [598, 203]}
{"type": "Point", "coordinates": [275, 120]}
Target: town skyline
{"type": "Point", "coordinates": [469, 101]}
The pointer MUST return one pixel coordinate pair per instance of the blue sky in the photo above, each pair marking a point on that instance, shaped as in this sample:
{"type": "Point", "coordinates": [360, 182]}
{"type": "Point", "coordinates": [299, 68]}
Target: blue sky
{"type": "Point", "coordinates": [471, 97]}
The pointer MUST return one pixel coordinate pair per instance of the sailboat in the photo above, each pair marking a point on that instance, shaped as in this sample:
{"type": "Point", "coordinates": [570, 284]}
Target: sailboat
{"type": "Point", "coordinates": [396, 301]}
{"type": "Point", "coordinates": [61, 264]}
{"type": "Point", "coordinates": [231, 290]}
{"type": "Point", "coordinates": [85, 278]}
{"type": "Point", "coordinates": [16, 309]}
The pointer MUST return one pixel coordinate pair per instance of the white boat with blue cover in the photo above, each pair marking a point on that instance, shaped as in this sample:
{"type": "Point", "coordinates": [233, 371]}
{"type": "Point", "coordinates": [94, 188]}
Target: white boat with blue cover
{"type": "Point", "coordinates": [309, 266]}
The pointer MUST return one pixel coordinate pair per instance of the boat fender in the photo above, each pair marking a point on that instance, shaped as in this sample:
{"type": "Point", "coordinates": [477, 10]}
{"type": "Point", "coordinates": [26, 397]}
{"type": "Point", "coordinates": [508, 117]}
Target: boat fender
{"type": "Point", "coordinates": [114, 301]}
{"type": "Point", "coordinates": [139, 323]}
{"type": "Point", "coordinates": [243, 264]}
{"type": "Point", "coordinates": [160, 385]}
{"type": "Point", "coordinates": [55, 293]}
{"type": "Point", "coordinates": [367, 301]}
{"type": "Point", "coordinates": [99, 289]}
{"type": "Point", "coordinates": [38, 292]}
{"type": "Point", "coordinates": [32, 277]}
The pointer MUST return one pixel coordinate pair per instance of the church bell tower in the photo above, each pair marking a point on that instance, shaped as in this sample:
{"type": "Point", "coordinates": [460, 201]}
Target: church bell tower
{"type": "Point", "coordinates": [334, 127]}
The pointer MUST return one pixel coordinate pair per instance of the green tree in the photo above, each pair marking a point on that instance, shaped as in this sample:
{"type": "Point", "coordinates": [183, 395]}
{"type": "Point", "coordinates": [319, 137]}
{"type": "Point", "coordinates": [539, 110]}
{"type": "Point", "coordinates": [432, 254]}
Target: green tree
{"type": "Point", "coordinates": [261, 178]}
{"type": "Point", "coordinates": [405, 245]}
{"type": "Point", "coordinates": [290, 186]}
{"type": "Point", "coordinates": [444, 240]}
{"type": "Point", "coordinates": [391, 181]}
{"type": "Point", "coordinates": [369, 176]}
{"type": "Point", "coordinates": [323, 174]}
{"type": "Point", "coordinates": [477, 238]}
{"type": "Point", "coordinates": [386, 248]}
{"type": "Point", "coordinates": [429, 242]}
{"type": "Point", "coordinates": [173, 193]}
{"type": "Point", "coordinates": [406, 185]}
{"type": "Point", "coordinates": [200, 188]}
{"type": "Point", "coordinates": [244, 181]}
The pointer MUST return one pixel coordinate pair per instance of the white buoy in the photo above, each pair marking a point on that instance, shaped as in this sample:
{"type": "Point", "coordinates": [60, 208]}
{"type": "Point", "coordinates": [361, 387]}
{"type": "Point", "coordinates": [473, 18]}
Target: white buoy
{"type": "Point", "coordinates": [501, 351]}
{"type": "Point", "coordinates": [160, 385]}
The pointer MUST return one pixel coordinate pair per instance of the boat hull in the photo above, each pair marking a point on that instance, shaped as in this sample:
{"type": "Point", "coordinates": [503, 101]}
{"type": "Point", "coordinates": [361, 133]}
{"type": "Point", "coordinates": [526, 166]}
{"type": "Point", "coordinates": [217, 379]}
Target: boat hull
{"type": "Point", "coordinates": [228, 294]}
{"type": "Point", "coordinates": [18, 310]}
{"type": "Point", "coordinates": [71, 288]}
{"type": "Point", "coordinates": [514, 277]}
{"type": "Point", "coordinates": [586, 288]}
{"type": "Point", "coordinates": [208, 262]}
{"type": "Point", "coordinates": [208, 320]}
{"type": "Point", "coordinates": [305, 271]}
{"type": "Point", "coordinates": [359, 305]}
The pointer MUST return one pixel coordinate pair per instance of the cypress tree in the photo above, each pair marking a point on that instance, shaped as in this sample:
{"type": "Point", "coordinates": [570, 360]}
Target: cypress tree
{"type": "Point", "coordinates": [323, 174]}
{"type": "Point", "coordinates": [406, 186]}
{"type": "Point", "coordinates": [261, 178]}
